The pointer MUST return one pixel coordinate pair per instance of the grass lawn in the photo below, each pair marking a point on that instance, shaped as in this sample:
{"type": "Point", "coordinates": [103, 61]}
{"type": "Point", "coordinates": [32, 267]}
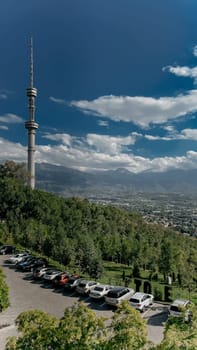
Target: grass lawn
{"type": "Point", "coordinates": [114, 273]}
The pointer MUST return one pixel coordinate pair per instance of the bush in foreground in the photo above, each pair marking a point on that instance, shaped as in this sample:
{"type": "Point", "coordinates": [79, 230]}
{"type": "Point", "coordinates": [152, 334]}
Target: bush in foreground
{"type": "Point", "coordinates": [80, 329]}
{"type": "Point", "coordinates": [4, 297]}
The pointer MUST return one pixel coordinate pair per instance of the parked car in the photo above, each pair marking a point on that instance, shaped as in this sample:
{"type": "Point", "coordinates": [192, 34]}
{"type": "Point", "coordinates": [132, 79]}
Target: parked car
{"type": "Point", "coordinates": [178, 306]}
{"type": "Point", "coordinates": [61, 279]}
{"type": "Point", "coordinates": [118, 294]}
{"type": "Point", "coordinates": [72, 282]}
{"type": "Point", "coordinates": [51, 274]}
{"type": "Point", "coordinates": [39, 272]}
{"type": "Point", "coordinates": [14, 259]}
{"type": "Point", "coordinates": [100, 291]}
{"type": "Point", "coordinates": [7, 249]}
{"type": "Point", "coordinates": [32, 264]}
{"type": "Point", "coordinates": [141, 301]}
{"type": "Point", "coordinates": [84, 287]}
{"type": "Point", "coordinates": [25, 260]}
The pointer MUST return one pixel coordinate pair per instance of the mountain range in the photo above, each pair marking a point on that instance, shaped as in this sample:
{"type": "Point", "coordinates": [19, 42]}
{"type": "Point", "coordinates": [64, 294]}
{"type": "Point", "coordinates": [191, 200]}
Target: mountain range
{"type": "Point", "coordinates": [71, 182]}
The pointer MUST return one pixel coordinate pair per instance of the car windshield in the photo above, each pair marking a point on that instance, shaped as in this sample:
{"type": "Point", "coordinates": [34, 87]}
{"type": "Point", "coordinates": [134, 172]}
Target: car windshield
{"type": "Point", "coordinates": [133, 300]}
{"type": "Point", "coordinates": [175, 308]}
{"type": "Point", "coordinates": [113, 294]}
{"type": "Point", "coordinates": [51, 272]}
{"type": "Point", "coordinates": [83, 285]}
{"type": "Point", "coordinates": [99, 289]}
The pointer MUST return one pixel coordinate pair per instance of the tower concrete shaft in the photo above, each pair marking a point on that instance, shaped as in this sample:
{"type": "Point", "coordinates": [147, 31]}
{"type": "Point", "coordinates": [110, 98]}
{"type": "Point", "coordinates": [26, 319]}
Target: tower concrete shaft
{"type": "Point", "coordinates": [31, 125]}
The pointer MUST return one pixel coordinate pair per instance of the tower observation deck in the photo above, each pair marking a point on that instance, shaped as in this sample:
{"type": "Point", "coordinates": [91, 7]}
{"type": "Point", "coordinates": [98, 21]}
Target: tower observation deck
{"type": "Point", "coordinates": [31, 125]}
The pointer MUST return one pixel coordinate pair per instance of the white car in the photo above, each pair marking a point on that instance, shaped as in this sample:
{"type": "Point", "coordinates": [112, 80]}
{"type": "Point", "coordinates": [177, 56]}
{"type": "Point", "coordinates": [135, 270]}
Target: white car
{"type": "Point", "coordinates": [141, 301]}
{"type": "Point", "coordinates": [51, 274]}
{"type": "Point", "coordinates": [100, 291]}
{"type": "Point", "coordinates": [178, 306]}
{"type": "Point", "coordinates": [84, 287]}
{"type": "Point", "coordinates": [39, 272]}
{"type": "Point", "coordinates": [14, 259]}
{"type": "Point", "coordinates": [117, 294]}
{"type": "Point", "coordinates": [72, 283]}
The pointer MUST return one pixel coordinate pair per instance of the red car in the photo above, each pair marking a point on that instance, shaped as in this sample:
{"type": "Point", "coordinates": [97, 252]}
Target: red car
{"type": "Point", "coordinates": [61, 279]}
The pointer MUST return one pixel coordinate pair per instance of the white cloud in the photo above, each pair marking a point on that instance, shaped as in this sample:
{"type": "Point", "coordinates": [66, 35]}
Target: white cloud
{"type": "Point", "coordinates": [109, 144]}
{"type": "Point", "coordinates": [142, 111]}
{"type": "Point", "coordinates": [156, 138]}
{"type": "Point", "coordinates": [64, 138]}
{"type": "Point", "coordinates": [3, 127]}
{"type": "Point", "coordinates": [169, 128]}
{"type": "Point", "coordinates": [103, 123]}
{"type": "Point", "coordinates": [185, 134]}
{"type": "Point", "coordinates": [97, 152]}
{"type": "Point", "coordinates": [195, 51]}
{"type": "Point", "coordinates": [188, 134]}
{"type": "Point", "coordinates": [183, 71]}
{"type": "Point", "coordinates": [3, 96]}
{"type": "Point", "coordinates": [11, 119]}
{"type": "Point", "coordinates": [57, 100]}
{"type": "Point", "coordinates": [12, 151]}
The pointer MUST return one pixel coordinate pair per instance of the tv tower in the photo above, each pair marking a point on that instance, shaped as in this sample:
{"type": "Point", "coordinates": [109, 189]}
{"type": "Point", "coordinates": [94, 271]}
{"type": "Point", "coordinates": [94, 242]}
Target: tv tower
{"type": "Point", "coordinates": [31, 125]}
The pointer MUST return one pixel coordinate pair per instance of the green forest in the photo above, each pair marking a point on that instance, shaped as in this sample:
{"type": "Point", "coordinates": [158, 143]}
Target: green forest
{"type": "Point", "coordinates": [85, 235]}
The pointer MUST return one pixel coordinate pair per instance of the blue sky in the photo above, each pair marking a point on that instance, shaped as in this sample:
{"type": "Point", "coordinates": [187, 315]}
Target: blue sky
{"type": "Point", "coordinates": [116, 80]}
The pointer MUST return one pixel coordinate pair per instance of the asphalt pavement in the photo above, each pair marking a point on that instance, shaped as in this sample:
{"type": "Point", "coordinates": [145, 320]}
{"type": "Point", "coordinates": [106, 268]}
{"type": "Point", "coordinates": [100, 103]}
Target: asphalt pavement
{"type": "Point", "coordinates": [26, 294]}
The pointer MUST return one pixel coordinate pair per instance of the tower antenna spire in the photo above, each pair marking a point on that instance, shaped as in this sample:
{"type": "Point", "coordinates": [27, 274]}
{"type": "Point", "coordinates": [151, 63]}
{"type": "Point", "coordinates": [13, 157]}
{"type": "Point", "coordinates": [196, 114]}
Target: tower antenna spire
{"type": "Point", "coordinates": [31, 63]}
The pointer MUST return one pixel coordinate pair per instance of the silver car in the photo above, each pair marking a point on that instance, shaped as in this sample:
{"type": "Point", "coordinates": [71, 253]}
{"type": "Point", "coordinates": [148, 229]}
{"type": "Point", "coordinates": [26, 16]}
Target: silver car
{"type": "Point", "coordinates": [51, 274]}
{"type": "Point", "coordinates": [14, 259]}
{"type": "Point", "coordinates": [100, 291]}
{"type": "Point", "coordinates": [84, 287]}
{"type": "Point", "coordinates": [116, 295]}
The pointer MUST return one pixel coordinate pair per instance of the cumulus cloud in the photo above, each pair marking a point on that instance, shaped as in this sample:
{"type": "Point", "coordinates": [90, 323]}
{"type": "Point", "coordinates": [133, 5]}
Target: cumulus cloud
{"type": "Point", "coordinates": [188, 134]}
{"type": "Point", "coordinates": [88, 154]}
{"type": "Point", "coordinates": [11, 119]}
{"type": "Point", "coordinates": [64, 138]}
{"type": "Point", "coordinates": [109, 144]}
{"type": "Point", "coordinates": [142, 111]}
{"type": "Point", "coordinates": [87, 159]}
{"type": "Point", "coordinates": [185, 134]}
{"type": "Point", "coordinates": [57, 100]}
{"type": "Point", "coordinates": [182, 71]}
{"type": "Point", "coordinates": [12, 151]}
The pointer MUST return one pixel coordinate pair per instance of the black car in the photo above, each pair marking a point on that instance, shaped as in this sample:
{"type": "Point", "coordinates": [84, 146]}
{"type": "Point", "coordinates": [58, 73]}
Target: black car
{"type": "Point", "coordinates": [7, 249]}
{"type": "Point", "coordinates": [25, 260]}
{"type": "Point", "coordinates": [33, 263]}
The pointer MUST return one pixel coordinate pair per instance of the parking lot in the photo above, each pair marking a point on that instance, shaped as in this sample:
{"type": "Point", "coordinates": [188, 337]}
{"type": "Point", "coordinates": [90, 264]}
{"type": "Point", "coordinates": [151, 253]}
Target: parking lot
{"type": "Point", "coordinates": [25, 294]}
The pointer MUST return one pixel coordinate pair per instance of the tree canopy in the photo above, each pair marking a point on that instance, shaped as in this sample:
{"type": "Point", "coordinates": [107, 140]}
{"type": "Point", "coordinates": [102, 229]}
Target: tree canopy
{"type": "Point", "coordinates": [78, 233]}
{"type": "Point", "coordinates": [80, 329]}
